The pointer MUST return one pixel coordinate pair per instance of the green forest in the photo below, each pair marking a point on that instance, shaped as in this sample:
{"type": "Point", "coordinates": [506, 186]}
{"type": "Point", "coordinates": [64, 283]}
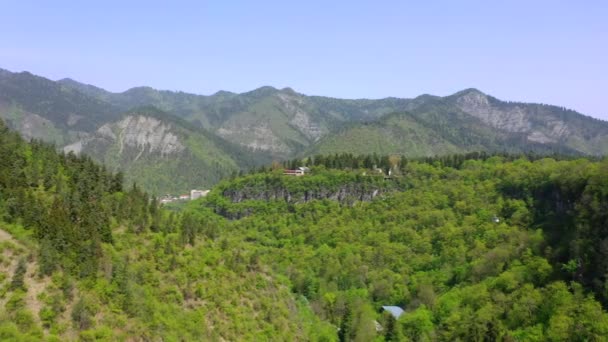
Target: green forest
{"type": "Point", "coordinates": [473, 247]}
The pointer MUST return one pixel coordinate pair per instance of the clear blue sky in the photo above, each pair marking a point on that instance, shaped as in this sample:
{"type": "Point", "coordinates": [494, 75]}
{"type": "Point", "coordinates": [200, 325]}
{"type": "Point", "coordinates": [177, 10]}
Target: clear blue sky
{"type": "Point", "coordinates": [537, 51]}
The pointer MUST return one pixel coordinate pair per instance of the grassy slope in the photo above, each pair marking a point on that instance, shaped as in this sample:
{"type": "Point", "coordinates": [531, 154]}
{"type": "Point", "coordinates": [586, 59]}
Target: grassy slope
{"type": "Point", "coordinates": [37, 127]}
{"type": "Point", "coordinates": [397, 134]}
{"type": "Point", "coordinates": [433, 128]}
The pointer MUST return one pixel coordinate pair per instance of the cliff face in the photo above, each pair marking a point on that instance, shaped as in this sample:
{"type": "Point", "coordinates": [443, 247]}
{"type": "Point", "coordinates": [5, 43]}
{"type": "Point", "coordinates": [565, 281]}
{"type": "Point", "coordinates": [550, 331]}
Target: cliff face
{"type": "Point", "coordinates": [347, 194]}
{"type": "Point", "coordinates": [542, 124]}
{"type": "Point", "coordinates": [162, 155]}
{"type": "Point", "coordinates": [142, 133]}
{"type": "Point", "coordinates": [242, 196]}
{"type": "Point", "coordinates": [478, 105]}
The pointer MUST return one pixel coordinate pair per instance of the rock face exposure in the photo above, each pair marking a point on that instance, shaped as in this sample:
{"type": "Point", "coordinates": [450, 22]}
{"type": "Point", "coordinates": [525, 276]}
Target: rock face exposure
{"type": "Point", "coordinates": [347, 193]}
{"type": "Point", "coordinates": [143, 133]}
{"type": "Point", "coordinates": [538, 122]}
{"type": "Point", "coordinates": [240, 197]}
{"type": "Point", "coordinates": [165, 155]}
{"type": "Point", "coordinates": [478, 105]}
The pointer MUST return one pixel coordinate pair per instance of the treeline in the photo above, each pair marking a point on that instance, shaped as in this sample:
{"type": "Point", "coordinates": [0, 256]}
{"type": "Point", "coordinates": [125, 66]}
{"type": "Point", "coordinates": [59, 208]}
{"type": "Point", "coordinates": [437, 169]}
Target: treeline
{"type": "Point", "coordinates": [350, 161]}
{"type": "Point", "coordinates": [68, 202]}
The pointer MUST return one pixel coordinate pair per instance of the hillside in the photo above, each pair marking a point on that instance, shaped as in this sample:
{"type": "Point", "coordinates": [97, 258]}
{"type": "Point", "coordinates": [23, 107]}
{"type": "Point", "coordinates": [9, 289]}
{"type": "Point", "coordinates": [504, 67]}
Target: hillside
{"type": "Point", "coordinates": [166, 156]}
{"type": "Point", "coordinates": [81, 258]}
{"type": "Point", "coordinates": [393, 134]}
{"type": "Point", "coordinates": [41, 108]}
{"type": "Point", "coordinates": [285, 123]}
{"type": "Point", "coordinates": [495, 248]}
{"type": "Point", "coordinates": [227, 132]}
{"type": "Point", "coordinates": [491, 250]}
{"type": "Point", "coordinates": [157, 150]}
{"type": "Point", "coordinates": [280, 122]}
{"type": "Point", "coordinates": [471, 121]}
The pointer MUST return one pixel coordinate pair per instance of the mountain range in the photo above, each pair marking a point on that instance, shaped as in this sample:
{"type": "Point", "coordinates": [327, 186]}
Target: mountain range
{"type": "Point", "coordinates": [173, 141]}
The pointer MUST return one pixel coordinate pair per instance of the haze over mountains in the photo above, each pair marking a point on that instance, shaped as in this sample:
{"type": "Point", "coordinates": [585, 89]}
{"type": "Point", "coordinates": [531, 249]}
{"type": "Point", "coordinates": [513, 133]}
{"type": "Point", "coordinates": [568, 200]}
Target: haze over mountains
{"type": "Point", "coordinates": [173, 141]}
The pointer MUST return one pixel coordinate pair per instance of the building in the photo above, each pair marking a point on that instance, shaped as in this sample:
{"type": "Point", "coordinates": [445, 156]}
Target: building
{"type": "Point", "coordinates": [167, 199]}
{"type": "Point", "coordinates": [300, 171]}
{"type": "Point", "coordinates": [194, 194]}
{"type": "Point", "coordinates": [395, 311]}
{"type": "Point", "coordinates": [295, 172]}
{"type": "Point", "coordinates": [184, 197]}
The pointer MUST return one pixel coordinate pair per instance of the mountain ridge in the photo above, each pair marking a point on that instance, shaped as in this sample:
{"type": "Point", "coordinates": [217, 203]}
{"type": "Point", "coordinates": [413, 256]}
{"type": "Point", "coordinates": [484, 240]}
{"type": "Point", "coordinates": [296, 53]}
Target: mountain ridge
{"type": "Point", "coordinates": [68, 81]}
{"type": "Point", "coordinates": [269, 123]}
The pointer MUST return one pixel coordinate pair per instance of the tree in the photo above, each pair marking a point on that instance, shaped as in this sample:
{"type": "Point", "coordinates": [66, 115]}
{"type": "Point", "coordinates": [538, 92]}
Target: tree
{"type": "Point", "coordinates": [18, 282]}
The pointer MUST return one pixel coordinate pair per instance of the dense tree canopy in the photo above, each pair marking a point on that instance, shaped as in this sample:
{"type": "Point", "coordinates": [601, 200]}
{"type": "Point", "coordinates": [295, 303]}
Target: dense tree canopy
{"type": "Point", "coordinates": [473, 247]}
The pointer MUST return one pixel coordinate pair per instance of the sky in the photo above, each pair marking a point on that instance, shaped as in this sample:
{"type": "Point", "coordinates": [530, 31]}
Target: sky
{"type": "Point", "coordinates": [553, 52]}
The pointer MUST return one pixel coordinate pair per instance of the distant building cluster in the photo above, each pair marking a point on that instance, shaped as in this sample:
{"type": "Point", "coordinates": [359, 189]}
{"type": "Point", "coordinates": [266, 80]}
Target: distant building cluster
{"type": "Point", "coordinates": [194, 194]}
{"type": "Point", "coordinates": [300, 171]}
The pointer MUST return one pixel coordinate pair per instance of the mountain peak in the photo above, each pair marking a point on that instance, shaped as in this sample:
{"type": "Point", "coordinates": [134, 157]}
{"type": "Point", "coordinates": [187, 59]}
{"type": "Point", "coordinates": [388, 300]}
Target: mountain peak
{"type": "Point", "coordinates": [471, 97]}
{"type": "Point", "coordinates": [469, 92]}
{"type": "Point", "coordinates": [223, 93]}
{"type": "Point", "coordinates": [72, 83]}
{"type": "Point", "coordinates": [289, 90]}
{"type": "Point", "coordinates": [68, 81]}
{"type": "Point", "coordinates": [262, 91]}
{"type": "Point", "coordinates": [140, 89]}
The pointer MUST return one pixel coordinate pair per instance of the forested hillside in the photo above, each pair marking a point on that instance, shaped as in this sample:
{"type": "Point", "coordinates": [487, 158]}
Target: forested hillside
{"type": "Point", "coordinates": [82, 258]}
{"type": "Point", "coordinates": [285, 123]}
{"type": "Point", "coordinates": [228, 132]}
{"type": "Point", "coordinates": [474, 247]}
{"type": "Point", "coordinates": [470, 121]}
{"type": "Point", "coordinates": [471, 249]}
{"type": "Point", "coordinates": [163, 154]}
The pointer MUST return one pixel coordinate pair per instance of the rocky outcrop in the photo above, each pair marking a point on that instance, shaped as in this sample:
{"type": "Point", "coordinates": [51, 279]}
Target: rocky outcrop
{"type": "Point", "coordinates": [254, 135]}
{"type": "Point", "coordinates": [293, 105]}
{"type": "Point", "coordinates": [349, 194]}
{"type": "Point", "coordinates": [237, 197]}
{"type": "Point", "coordinates": [142, 133]}
{"type": "Point", "coordinates": [477, 104]}
{"type": "Point", "coordinates": [512, 118]}
{"type": "Point", "coordinates": [145, 132]}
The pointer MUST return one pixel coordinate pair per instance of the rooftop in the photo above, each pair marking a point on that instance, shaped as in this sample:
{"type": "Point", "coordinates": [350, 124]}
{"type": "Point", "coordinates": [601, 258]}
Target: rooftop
{"type": "Point", "coordinates": [393, 310]}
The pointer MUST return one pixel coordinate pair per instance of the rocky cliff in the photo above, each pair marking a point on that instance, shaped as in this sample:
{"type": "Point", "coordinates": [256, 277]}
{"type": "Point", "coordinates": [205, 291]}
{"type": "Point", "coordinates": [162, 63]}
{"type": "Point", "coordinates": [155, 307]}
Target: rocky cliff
{"type": "Point", "coordinates": [141, 133]}
{"type": "Point", "coordinates": [347, 193]}
{"type": "Point", "coordinates": [544, 124]}
{"type": "Point", "coordinates": [242, 196]}
{"type": "Point", "coordinates": [165, 156]}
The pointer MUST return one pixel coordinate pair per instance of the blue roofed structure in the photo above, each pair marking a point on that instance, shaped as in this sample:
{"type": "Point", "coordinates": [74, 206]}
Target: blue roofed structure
{"type": "Point", "coordinates": [393, 310]}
